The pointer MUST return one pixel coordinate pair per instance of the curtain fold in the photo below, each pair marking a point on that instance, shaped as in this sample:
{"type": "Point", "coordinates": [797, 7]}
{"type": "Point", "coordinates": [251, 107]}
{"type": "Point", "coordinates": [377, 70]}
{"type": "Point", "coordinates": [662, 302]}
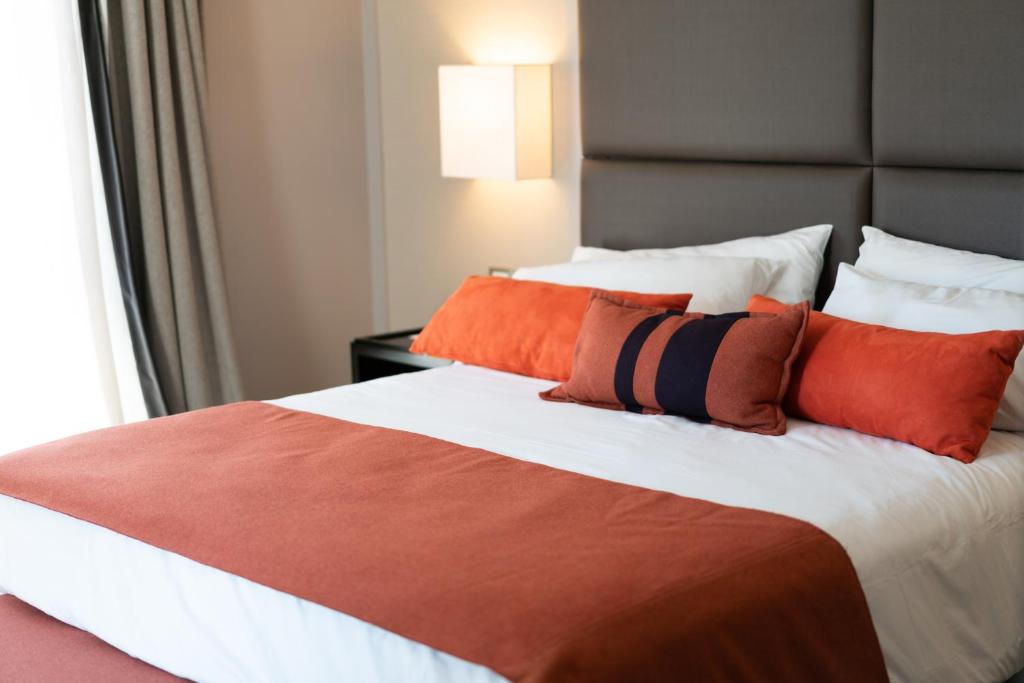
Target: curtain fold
{"type": "Point", "coordinates": [156, 72]}
{"type": "Point", "coordinates": [99, 96]}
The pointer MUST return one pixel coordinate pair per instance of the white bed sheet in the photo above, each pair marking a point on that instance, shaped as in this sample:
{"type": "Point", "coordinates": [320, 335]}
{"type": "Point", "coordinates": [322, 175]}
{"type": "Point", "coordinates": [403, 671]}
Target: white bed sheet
{"type": "Point", "coordinates": [938, 546]}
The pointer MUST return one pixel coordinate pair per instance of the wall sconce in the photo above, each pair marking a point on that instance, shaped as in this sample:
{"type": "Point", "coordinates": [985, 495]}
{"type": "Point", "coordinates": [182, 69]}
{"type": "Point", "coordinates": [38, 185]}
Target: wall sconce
{"type": "Point", "coordinates": [495, 121]}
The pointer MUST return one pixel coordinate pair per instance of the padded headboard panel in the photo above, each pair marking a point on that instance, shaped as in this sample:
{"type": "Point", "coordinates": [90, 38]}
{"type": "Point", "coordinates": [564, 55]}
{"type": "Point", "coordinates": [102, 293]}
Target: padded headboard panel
{"type": "Point", "coordinates": [707, 120]}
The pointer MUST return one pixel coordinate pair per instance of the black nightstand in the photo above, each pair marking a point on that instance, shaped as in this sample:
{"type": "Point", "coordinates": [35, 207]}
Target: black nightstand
{"type": "Point", "coordinates": [383, 355]}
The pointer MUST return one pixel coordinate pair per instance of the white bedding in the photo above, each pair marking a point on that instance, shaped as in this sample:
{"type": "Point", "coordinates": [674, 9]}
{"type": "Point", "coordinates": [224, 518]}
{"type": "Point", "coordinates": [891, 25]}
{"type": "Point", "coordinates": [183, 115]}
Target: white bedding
{"type": "Point", "coordinates": [938, 546]}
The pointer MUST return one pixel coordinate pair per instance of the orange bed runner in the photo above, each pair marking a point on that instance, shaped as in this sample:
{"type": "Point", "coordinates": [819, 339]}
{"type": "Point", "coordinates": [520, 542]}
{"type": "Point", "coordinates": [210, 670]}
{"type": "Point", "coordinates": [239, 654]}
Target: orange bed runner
{"type": "Point", "coordinates": [534, 572]}
{"type": "Point", "coordinates": [36, 648]}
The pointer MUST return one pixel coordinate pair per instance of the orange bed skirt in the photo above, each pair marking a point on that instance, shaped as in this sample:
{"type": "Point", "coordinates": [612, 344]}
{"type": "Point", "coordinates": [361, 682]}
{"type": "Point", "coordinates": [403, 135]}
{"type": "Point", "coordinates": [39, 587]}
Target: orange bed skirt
{"type": "Point", "coordinates": [36, 648]}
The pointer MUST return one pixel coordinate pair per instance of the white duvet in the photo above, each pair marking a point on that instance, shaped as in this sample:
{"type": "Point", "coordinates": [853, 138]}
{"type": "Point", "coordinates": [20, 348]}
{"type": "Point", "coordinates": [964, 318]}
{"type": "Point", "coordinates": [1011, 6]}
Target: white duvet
{"type": "Point", "coordinates": [938, 545]}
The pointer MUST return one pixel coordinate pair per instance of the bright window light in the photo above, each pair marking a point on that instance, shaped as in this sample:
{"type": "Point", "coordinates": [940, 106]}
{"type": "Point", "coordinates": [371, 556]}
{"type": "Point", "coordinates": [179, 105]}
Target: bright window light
{"type": "Point", "coordinates": [64, 345]}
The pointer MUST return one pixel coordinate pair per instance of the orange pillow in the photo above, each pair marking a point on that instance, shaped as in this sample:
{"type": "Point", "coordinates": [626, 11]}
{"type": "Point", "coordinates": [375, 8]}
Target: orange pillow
{"type": "Point", "coordinates": [937, 391]}
{"type": "Point", "coordinates": [730, 369]}
{"type": "Point", "coordinates": [520, 326]}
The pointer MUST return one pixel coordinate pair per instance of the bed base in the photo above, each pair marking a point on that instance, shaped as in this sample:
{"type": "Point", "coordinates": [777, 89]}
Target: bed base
{"type": "Point", "coordinates": [36, 648]}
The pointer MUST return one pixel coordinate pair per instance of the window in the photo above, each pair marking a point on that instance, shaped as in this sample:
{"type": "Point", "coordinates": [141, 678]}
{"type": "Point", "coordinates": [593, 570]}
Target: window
{"type": "Point", "coordinates": [66, 362]}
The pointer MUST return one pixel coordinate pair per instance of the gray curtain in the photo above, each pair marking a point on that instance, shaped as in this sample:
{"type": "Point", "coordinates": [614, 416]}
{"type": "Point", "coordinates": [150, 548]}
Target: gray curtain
{"type": "Point", "coordinates": [158, 91]}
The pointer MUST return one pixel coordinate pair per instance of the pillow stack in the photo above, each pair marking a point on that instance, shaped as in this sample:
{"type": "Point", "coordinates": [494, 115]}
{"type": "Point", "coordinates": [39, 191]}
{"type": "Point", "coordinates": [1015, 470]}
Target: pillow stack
{"type": "Point", "coordinates": [928, 362]}
{"type": "Point", "coordinates": [916, 343]}
{"type": "Point", "coordinates": [917, 286]}
{"type": "Point", "coordinates": [861, 296]}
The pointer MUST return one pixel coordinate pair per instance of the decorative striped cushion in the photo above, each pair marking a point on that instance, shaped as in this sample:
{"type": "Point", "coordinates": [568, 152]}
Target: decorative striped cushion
{"type": "Point", "coordinates": [731, 370]}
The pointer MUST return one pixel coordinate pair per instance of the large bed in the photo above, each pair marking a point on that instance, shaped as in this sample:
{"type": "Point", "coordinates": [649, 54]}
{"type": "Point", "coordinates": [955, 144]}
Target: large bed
{"type": "Point", "coordinates": [702, 121]}
{"type": "Point", "coordinates": [938, 546]}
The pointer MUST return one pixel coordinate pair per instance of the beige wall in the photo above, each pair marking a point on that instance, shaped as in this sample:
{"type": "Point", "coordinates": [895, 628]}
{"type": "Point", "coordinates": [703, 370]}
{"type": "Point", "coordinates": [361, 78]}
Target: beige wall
{"type": "Point", "coordinates": [287, 139]}
{"type": "Point", "coordinates": [289, 133]}
{"type": "Point", "coordinates": [438, 230]}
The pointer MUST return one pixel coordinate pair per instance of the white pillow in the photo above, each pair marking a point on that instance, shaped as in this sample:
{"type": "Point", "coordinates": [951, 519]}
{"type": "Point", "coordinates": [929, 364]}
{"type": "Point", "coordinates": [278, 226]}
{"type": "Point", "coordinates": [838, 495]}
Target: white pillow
{"type": "Point", "coordinates": [870, 299]}
{"type": "Point", "coordinates": [901, 259]}
{"type": "Point", "coordinates": [801, 251]}
{"type": "Point", "coordinates": [718, 285]}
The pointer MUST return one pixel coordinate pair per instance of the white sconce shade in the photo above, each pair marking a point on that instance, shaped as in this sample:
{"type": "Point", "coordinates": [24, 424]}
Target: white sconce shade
{"type": "Point", "coordinates": [495, 121]}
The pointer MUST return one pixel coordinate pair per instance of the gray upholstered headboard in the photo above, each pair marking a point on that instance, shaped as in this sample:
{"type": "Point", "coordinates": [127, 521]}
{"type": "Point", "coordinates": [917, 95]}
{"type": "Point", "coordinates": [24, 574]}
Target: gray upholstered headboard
{"type": "Point", "coordinates": [707, 120]}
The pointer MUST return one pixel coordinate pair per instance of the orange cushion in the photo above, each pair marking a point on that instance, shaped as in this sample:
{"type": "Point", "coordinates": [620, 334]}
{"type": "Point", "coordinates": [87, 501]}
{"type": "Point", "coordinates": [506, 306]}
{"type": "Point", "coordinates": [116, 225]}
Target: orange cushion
{"type": "Point", "coordinates": [519, 326]}
{"type": "Point", "coordinates": [730, 369]}
{"type": "Point", "coordinates": [937, 391]}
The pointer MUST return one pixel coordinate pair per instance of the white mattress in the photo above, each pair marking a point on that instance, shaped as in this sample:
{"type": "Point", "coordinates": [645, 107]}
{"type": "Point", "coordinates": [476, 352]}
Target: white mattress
{"type": "Point", "coordinates": [938, 546]}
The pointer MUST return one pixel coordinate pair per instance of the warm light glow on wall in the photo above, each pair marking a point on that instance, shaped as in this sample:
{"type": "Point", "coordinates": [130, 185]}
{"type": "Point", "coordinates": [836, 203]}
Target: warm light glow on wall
{"type": "Point", "coordinates": [495, 121]}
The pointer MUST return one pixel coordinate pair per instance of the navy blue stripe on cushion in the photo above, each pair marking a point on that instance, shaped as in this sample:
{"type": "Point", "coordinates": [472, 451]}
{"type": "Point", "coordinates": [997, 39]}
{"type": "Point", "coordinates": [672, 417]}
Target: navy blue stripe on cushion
{"type": "Point", "coordinates": [682, 380]}
{"type": "Point", "coordinates": [625, 365]}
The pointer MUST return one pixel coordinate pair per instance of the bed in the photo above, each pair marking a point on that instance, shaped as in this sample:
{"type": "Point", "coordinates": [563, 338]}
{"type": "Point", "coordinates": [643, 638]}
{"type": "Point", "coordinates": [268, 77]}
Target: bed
{"type": "Point", "coordinates": [938, 546]}
{"type": "Point", "coordinates": [846, 123]}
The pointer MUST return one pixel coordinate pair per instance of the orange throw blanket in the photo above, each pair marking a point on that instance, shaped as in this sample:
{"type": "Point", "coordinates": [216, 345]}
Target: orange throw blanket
{"type": "Point", "coordinates": [534, 572]}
